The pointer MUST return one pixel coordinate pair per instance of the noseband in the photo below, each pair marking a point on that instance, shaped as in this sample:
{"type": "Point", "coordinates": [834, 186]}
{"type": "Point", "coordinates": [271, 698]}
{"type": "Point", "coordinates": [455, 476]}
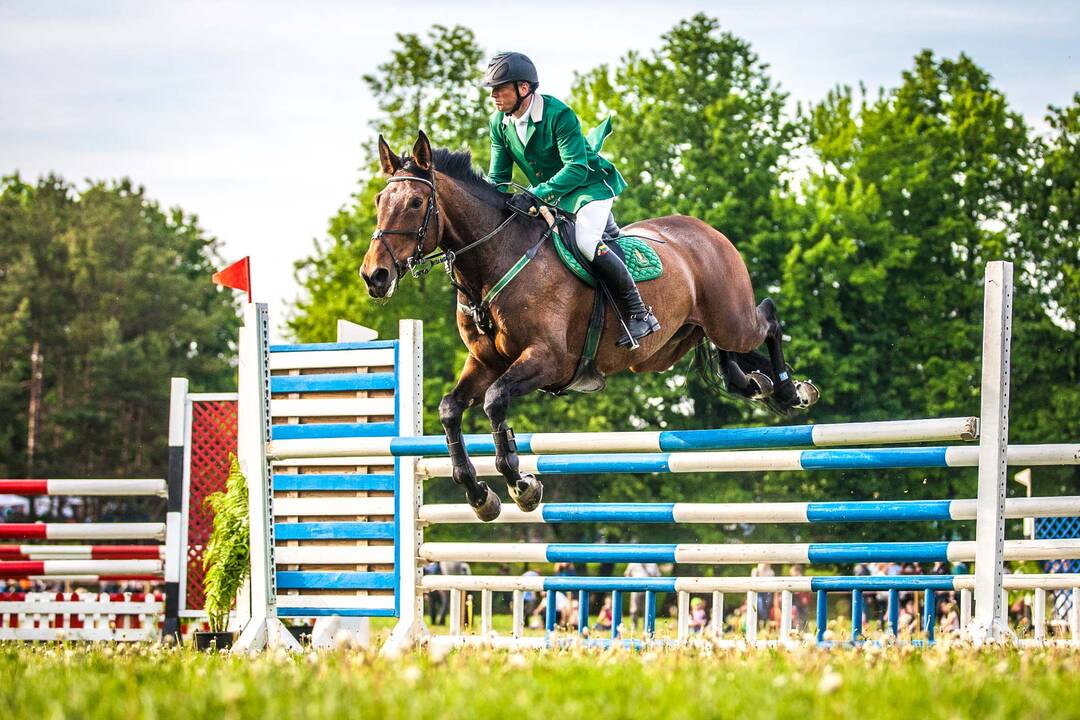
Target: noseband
{"type": "Point", "coordinates": [417, 258]}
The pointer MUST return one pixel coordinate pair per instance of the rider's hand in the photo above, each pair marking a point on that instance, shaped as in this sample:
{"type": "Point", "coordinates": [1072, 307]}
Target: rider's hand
{"type": "Point", "coordinates": [522, 203]}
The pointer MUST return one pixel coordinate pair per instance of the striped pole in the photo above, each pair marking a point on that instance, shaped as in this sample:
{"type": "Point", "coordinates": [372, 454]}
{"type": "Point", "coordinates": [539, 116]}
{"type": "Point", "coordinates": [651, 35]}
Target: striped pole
{"type": "Point", "coordinates": [705, 554]}
{"type": "Point", "coordinates": [82, 531]}
{"type": "Point", "coordinates": [321, 440]}
{"type": "Point", "coordinates": [725, 584]}
{"type": "Point", "coordinates": [82, 552]}
{"type": "Point", "coordinates": [780, 512]}
{"type": "Point", "coordinates": [32, 488]}
{"type": "Point", "coordinates": [46, 568]}
{"type": "Point", "coordinates": [761, 460]}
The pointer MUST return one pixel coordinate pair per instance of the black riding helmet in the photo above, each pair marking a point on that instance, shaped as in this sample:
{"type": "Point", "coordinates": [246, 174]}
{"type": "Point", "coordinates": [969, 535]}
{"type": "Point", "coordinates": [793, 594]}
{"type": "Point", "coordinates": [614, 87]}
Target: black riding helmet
{"type": "Point", "coordinates": [512, 67]}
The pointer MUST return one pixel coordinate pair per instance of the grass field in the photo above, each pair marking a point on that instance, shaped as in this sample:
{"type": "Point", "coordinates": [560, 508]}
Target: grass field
{"type": "Point", "coordinates": [52, 681]}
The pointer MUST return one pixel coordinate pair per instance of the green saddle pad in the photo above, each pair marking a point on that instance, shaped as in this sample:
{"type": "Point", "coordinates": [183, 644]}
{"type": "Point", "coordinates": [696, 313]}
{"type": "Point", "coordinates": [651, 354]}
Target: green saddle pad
{"type": "Point", "coordinates": [641, 259]}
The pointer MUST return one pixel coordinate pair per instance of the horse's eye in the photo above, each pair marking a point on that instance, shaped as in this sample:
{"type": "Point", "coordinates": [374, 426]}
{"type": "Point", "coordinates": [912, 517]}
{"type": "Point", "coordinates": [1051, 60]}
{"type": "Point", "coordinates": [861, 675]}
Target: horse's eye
{"type": "Point", "coordinates": [415, 203]}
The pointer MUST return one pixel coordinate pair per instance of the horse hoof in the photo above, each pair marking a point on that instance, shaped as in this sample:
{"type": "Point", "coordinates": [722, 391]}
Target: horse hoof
{"type": "Point", "coordinates": [526, 492]}
{"type": "Point", "coordinates": [807, 392]}
{"type": "Point", "coordinates": [489, 508]}
{"type": "Point", "coordinates": [764, 384]}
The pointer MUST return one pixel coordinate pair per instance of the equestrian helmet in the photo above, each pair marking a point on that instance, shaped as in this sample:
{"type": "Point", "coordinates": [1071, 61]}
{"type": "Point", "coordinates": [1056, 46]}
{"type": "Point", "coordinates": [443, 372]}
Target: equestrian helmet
{"type": "Point", "coordinates": [510, 67]}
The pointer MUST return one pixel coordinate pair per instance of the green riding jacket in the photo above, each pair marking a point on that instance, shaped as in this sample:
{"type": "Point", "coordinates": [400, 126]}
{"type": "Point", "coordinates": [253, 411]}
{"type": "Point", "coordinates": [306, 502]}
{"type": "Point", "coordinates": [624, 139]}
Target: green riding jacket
{"type": "Point", "coordinates": [563, 167]}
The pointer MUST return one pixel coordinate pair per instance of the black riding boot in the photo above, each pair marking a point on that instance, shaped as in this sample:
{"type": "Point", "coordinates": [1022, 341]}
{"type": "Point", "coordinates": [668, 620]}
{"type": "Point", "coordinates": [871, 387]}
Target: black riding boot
{"type": "Point", "coordinates": [639, 319]}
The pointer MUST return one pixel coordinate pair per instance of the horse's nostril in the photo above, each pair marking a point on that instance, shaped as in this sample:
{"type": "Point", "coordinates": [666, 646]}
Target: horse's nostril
{"type": "Point", "coordinates": [380, 277]}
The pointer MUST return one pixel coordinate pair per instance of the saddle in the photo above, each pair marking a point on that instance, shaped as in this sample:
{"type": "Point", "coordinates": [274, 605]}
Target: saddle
{"type": "Point", "coordinates": [641, 260]}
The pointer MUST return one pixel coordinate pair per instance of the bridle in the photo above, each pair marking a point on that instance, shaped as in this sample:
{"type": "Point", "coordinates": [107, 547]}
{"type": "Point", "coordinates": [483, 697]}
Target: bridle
{"type": "Point", "coordinates": [421, 261]}
{"type": "Point", "coordinates": [418, 257]}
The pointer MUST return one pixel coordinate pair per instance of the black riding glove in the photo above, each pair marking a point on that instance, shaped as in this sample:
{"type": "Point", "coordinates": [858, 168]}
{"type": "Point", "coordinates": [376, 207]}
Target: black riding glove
{"type": "Point", "coordinates": [522, 203]}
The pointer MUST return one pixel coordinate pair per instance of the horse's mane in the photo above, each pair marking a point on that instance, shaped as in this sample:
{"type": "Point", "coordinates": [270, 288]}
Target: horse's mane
{"type": "Point", "coordinates": [458, 164]}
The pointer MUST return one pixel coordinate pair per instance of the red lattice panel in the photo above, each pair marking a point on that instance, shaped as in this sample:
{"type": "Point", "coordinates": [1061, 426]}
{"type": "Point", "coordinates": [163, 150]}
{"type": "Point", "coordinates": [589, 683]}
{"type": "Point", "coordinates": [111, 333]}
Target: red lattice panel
{"type": "Point", "coordinates": [213, 437]}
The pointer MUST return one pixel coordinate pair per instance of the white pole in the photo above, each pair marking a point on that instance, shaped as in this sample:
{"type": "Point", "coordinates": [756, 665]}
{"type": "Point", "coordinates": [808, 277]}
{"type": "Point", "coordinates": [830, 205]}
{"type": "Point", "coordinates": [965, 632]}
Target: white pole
{"type": "Point", "coordinates": [993, 449]}
{"type": "Point", "coordinates": [718, 614]}
{"type": "Point", "coordinates": [456, 605]}
{"type": "Point", "coordinates": [1074, 616]}
{"type": "Point", "coordinates": [965, 608]}
{"type": "Point", "coordinates": [1038, 614]}
{"type": "Point", "coordinates": [485, 614]}
{"type": "Point", "coordinates": [410, 627]}
{"type": "Point", "coordinates": [253, 434]}
{"type": "Point", "coordinates": [785, 616]}
{"type": "Point", "coordinates": [519, 614]}
{"type": "Point", "coordinates": [751, 617]}
{"type": "Point", "coordinates": [684, 617]}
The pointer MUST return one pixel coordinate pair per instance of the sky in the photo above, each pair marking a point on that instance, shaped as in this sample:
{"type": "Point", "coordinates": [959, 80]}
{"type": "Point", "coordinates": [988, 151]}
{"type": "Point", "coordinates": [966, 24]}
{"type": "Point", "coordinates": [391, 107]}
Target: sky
{"type": "Point", "coordinates": [252, 115]}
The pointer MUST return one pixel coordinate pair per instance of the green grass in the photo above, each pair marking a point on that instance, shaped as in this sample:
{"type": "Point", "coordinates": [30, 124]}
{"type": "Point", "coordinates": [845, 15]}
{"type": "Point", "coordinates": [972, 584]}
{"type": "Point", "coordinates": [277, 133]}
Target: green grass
{"type": "Point", "coordinates": [133, 682]}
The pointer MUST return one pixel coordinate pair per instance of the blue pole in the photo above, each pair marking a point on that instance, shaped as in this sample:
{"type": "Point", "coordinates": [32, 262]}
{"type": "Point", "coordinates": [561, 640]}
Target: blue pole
{"type": "Point", "coordinates": [616, 612]}
{"type": "Point", "coordinates": [650, 614]}
{"type": "Point", "coordinates": [894, 612]}
{"type": "Point", "coordinates": [856, 615]}
{"type": "Point", "coordinates": [930, 609]}
{"type": "Point", "coordinates": [551, 612]}
{"type": "Point", "coordinates": [822, 614]}
{"type": "Point", "coordinates": [583, 611]}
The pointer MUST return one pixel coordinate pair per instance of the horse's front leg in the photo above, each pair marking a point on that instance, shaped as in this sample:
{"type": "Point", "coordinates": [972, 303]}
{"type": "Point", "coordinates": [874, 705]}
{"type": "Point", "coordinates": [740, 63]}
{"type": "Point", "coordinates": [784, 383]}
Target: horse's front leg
{"type": "Point", "coordinates": [474, 381]}
{"type": "Point", "coordinates": [531, 371]}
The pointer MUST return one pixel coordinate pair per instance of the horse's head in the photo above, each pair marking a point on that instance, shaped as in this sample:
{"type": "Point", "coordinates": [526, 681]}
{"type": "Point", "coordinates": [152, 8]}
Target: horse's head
{"type": "Point", "coordinates": [407, 224]}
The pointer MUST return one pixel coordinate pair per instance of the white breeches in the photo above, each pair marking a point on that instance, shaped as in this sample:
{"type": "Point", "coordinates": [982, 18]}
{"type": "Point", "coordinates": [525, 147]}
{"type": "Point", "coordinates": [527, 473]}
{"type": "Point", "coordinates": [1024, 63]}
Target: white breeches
{"type": "Point", "coordinates": [590, 224]}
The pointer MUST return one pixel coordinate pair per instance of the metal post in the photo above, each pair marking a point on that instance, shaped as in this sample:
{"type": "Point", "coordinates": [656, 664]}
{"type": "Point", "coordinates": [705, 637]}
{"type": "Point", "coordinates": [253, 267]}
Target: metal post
{"type": "Point", "coordinates": [1074, 616]}
{"type": "Point", "coordinates": [718, 614]}
{"type": "Point", "coordinates": [856, 615]}
{"type": "Point", "coordinates": [965, 608]}
{"type": "Point", "coordinates": [518, 629]}
{"type": "Point", "coordinates": [1038, 614]}
{"type": "Point", "coordinates": [456, 607]}
{"type": "Point", "coordinates": [822, 614]}
{"type": "Point", "coordinates": [485, 614]}
{"type": "Point", "coordinates": [894, 612]}
{"type": "Point", "coordinates": [616, 612]}
{"type": "Point", "coordinates": [650, 614]}
{"type": "Point", "coordinates": [551, 613]}
{"type": "Point", "coordinates": [785, 616]}
{"type": "Point", "coordinates": [684, 616]}
{"type": "Point", "coordinates": [583, 612]}
{"type": "Point", "coordinates": [930, 611]}
{"type": "Point", "coordinates": [993, 451]}
{"type": "Point", "coordinates": [751, 617]}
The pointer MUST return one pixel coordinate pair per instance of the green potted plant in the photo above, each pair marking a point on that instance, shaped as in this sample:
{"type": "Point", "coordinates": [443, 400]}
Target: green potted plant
{"type": "Point", "coordinates": [226, 560]}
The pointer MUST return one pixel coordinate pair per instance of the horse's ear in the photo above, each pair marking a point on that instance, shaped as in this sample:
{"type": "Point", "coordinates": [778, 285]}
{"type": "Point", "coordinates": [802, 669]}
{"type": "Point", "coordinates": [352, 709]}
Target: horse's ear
{"type": "Point", "coordinates": [421, 151]}
{"type": "Point", "coordinates": [390, 162]}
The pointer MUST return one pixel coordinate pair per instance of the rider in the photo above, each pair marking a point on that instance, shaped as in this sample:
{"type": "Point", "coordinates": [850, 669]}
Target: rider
{"type": "Point", "coordinates": [543, 137]}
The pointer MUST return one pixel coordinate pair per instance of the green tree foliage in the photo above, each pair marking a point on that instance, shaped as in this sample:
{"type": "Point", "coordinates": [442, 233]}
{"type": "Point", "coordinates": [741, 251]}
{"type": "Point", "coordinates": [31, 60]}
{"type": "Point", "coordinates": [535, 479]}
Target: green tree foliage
{"type": "Point", "coordinates": [111, 294]}
{"type": "Point", "coordinates": [868, 217]}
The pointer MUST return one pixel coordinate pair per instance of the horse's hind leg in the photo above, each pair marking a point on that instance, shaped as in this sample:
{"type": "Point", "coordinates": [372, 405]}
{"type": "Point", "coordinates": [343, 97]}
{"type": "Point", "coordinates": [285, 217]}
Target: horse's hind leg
{"type": "Point", "coordinates": [788, 392]}
{"type": "Point", "coordinates": [754, 385]}
{"type": "Point", "coordinates": [475, 379]}
{"type": "Point", "coordinates": [529, 372]}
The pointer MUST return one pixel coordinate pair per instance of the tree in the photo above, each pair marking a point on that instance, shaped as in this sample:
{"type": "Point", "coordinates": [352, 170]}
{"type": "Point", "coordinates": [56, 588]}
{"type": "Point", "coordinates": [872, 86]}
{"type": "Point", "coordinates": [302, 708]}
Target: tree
{"type": "Point", "coordinates": [106, 296]}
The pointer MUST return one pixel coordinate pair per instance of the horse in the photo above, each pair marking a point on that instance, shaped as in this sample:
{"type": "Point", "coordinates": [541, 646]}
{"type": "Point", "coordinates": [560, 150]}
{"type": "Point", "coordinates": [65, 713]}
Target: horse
{"type": "Point", "coordinates": [437, 206]}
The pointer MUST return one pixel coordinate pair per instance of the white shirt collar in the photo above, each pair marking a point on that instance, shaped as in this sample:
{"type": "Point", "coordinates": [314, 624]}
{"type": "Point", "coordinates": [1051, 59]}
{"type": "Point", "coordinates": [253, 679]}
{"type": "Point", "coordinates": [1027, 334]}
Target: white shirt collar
{"type": "Point", "coordinates": [536, 111]}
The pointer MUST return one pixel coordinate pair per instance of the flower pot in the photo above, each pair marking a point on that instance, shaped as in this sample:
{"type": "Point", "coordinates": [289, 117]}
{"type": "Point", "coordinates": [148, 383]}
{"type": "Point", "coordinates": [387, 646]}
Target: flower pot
{"type": "Point", "coordinates": [214, 641]}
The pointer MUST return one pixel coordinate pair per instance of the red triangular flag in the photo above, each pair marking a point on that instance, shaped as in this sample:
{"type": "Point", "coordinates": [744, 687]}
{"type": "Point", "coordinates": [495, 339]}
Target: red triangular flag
{"type": "Point", "coordinates": [237, 276]}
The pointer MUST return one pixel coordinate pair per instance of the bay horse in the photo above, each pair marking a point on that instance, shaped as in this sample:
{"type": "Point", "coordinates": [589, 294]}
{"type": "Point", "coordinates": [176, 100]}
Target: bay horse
{"type": "Point", "coordinates": [437, 206]}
